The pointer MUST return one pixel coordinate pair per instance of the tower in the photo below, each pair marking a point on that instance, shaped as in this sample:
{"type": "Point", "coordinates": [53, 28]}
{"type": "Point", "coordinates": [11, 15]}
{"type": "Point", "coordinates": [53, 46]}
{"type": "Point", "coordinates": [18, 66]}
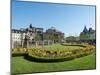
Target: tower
{"type": "Point", "coordinates": [30, 26]}
{"type": "Point", "coordinates": [85, 29]}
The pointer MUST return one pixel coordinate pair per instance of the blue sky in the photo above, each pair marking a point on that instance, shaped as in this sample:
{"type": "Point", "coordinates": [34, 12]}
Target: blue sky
{"type": "Point", "coordinates": [69, 19]}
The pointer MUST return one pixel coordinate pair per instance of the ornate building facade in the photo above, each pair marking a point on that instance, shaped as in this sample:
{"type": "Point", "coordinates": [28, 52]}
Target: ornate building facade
{"type": "Point", "coordinates": [25, 37]}
{"type": "Point", "coordinates": [88, 34]}
{"type": "Point", "coordinates": [32, 36]}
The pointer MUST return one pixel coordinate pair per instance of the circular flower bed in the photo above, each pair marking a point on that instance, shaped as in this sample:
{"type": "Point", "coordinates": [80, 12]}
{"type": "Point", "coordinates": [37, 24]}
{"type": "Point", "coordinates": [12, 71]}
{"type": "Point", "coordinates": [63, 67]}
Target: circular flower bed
{"type": "Point", "coordinates": [42, 54]}
{"type": "Point", "coordinates": [47, 55]}
{"type": "Point", "coordinates": [59, 55]}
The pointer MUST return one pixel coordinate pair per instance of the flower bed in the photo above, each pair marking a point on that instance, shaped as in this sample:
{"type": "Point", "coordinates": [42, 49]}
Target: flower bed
{"type": "Point", "coordinates": [43, 54]}
{"type": "Point", "coordinates": [60, 55]}
{"type": "Point", "coordinates": [19, 51]}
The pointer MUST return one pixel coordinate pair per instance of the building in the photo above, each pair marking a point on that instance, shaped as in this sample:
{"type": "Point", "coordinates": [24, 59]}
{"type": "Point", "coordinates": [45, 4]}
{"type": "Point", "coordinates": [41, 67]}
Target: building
{"type": "Point", "coordinates": [55, 35]}
{"type": "Point", "coordinates": [88, 34]}
{"type": "Point", "coordinates": [16, 38]}
{"type": "Point", "coordinates": [32, 36]}
{"type": "Point", "coordinates": [25, 37]}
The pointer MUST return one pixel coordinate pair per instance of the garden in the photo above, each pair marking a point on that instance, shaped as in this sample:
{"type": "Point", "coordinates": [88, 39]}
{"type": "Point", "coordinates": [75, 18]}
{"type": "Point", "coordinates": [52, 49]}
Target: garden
{"type": "Point", "coordinates": [54, 54]}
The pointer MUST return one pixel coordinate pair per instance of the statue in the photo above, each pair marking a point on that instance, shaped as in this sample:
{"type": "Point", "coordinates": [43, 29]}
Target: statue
{"type": "Point", "coordinates": [26, 42]}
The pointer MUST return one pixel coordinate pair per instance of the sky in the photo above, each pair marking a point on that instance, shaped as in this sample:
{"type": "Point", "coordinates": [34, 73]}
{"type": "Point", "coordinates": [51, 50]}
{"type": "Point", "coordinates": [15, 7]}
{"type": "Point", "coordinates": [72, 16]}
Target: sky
{"type": "Point", "coordinates": [67, 18]}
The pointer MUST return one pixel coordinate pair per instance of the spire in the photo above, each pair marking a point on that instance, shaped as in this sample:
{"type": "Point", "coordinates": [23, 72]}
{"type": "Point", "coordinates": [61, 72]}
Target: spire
{"type": "Point", "coordinates": [90, 29]}
{"type": "Point", "coordinates": [30, 26]}
{"type": "Point", "coordinates": [85, 29]}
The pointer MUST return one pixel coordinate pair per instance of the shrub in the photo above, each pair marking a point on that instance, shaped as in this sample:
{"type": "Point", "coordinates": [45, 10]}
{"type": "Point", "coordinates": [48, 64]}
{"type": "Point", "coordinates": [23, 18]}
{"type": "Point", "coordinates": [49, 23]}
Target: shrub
{"type": "Point", "coordinates": [19, 51]}
{"type": "Point", "coordinates": [54, 55]}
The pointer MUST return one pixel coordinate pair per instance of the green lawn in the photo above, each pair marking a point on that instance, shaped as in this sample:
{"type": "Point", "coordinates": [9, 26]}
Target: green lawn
{"type": "Point", "coordinates": [21, 65]}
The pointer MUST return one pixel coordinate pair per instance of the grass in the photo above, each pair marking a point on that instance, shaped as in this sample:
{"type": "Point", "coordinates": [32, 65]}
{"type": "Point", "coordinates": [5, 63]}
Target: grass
{"type": "Point", "coordinates": [61, 47]}
{"type": "Point", "coordinates": [21, 65]}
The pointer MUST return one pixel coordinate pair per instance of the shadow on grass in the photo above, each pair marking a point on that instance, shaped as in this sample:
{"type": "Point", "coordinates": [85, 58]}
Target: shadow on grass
{"type": "Point", "coordinates": [15, 55]}
{"type": "Point", "coordinates": [44, 60]}
{"type": "Point", "coordinates": [41, 60]}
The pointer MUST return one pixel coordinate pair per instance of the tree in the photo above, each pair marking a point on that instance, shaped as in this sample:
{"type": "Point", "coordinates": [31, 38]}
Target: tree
{"type": "Point", "coordinates": [46, 37]}
{"type": "Point", "coordinates": [37, 39]}
{"type": "Point", "coordinates": [84, 37]}
{"type": "Point", "coordinates": [70, 39]}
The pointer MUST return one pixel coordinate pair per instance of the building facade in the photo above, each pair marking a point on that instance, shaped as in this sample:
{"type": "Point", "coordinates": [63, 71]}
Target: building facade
{"type": "Point", "coordinates": [52, 35]}
{"type": "Point", "coordinates": [32, 36]}
{"type": "Point", "coordinates": [88, 34]}
{"type": "Point", "coordinates": [25, 37]}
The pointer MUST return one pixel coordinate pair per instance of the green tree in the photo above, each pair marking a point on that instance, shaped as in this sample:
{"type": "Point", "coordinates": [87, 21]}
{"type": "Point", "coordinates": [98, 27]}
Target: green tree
{"type": "Point", "coordinates": [70, 38]}
{"type": "Point", "coordinates": [37, 39]}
